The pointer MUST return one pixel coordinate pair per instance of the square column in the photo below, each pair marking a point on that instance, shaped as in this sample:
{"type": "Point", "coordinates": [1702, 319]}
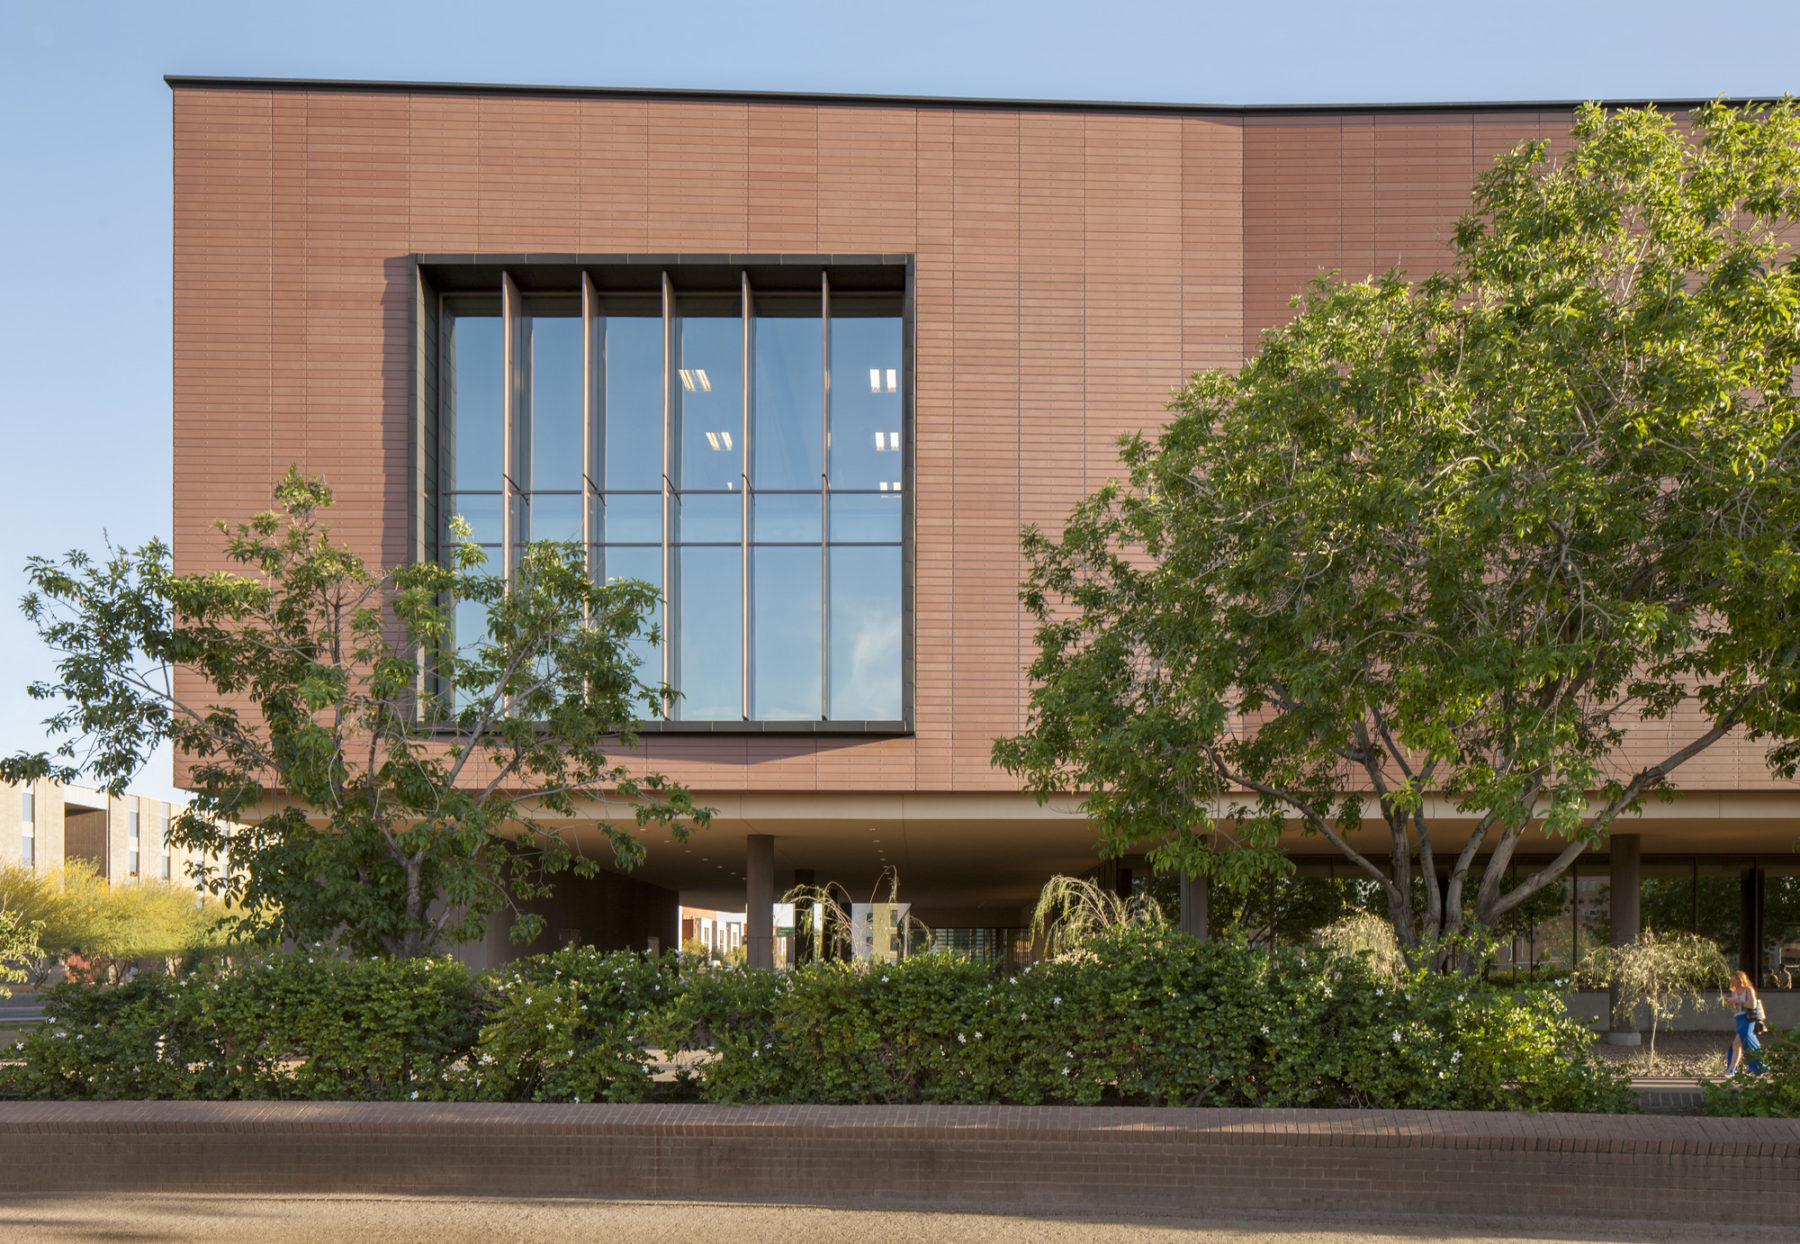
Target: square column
{"type": "Point", "coordinates": [1623, 894]}
{"type": "Point", "coordinates": [759, 901]}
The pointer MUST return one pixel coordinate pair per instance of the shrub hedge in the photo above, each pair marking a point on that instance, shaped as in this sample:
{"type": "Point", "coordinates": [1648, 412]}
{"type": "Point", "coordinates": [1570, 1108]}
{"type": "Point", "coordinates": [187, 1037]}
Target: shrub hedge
{"type": "Point", "coordinates": [1142, 1016]}
{"type": "Point", "coordinates": [1773, 1093]}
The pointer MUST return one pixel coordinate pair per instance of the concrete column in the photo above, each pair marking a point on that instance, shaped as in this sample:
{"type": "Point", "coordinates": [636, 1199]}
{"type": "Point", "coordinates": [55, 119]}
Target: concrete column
{"type": "Point", "coordinates": [759, 900]}
{"type": "Point", "coordinates": [1623, 897]}
{"type": "Point", "coordinates": [1196, 906]}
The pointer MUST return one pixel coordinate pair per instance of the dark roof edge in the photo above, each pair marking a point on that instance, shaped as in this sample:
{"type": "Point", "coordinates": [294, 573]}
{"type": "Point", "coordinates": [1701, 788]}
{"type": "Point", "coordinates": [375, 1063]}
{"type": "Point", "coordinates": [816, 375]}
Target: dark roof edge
{"type": "Point", "coordinates": [176, 81]}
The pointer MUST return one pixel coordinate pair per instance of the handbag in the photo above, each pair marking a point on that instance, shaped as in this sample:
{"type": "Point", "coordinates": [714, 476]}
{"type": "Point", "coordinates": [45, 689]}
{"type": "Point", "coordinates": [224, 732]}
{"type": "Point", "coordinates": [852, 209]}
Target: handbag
{"type": "Point", "coordinates": [1759, 1022]}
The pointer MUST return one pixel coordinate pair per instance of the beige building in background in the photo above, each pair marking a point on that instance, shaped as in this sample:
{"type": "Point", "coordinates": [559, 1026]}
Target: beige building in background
{"type": "Point", "coordinates": [124, 837]}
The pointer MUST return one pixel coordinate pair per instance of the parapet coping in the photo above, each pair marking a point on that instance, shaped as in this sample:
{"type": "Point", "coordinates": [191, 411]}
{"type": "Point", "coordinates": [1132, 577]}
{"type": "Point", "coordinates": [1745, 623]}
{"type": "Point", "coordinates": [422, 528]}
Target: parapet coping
{"type": "Point", "coordinates": [854, 100]}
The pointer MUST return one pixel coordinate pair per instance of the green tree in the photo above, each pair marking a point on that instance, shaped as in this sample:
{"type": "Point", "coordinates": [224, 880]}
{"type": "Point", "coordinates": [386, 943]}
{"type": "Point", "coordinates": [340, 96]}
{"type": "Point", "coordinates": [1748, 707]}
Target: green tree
{"type": "Point", "coordinates": [364, 772]}
{"type": "Point", "coordinates": [1659, 974]}
{"type": "Point", "coordinates": [1430, 553]}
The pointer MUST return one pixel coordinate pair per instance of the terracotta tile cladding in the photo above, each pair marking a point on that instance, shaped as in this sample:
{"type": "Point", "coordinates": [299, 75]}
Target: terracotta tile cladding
{"type": "Point", "coordinates": [1071, 268]}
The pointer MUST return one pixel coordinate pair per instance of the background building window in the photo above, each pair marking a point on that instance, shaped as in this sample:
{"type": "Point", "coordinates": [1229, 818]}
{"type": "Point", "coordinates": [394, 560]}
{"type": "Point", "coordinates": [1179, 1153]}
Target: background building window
{"type": "Point", "coordinates": [131, 844]}
{"type": "Point", "coordinates": [734, 439]}
{"type": "Point", "coordinates": [163, 833]}
{"type": "Point", "coordinates": [28, 828]}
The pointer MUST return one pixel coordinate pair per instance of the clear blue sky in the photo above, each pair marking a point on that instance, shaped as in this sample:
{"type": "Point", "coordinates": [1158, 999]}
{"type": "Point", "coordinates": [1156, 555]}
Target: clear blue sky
{"type": "Point", "coordinates": [84, 149]}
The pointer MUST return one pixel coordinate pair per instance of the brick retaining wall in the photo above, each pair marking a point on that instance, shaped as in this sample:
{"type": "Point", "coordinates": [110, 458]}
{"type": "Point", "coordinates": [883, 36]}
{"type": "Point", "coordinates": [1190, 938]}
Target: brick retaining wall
{"type": "Point", "coordinates": [1011, 1159]}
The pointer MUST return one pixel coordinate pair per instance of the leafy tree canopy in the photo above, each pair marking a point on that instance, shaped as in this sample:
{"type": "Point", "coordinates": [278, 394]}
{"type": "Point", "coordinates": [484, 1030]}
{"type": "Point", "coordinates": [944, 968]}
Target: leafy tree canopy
{"type": "Point", "coordinates": [363, 772]}
{"type": "Point", "coordinates": [1433, 551]}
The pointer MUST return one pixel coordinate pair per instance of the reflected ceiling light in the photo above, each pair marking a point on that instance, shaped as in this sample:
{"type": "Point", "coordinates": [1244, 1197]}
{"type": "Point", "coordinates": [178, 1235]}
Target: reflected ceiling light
{"type": "Point", "coordinates": [874, 379]}
{"type": "Point", "coordinates": [712, 438]}
{"type": "Point", "coordinates": [687, 379]}
{"type": "Point", "coordinates": [726, 436]}
{"type": "Point", "coordinates": [896, 487]}
{"type": "Point", "coordinates": [893, 379]}
{"type": "Point", "coordinates": [719, 440]}
{"type": "Point", "coordinates": [700, 375]}
{"type": "Point", "coordinates": [884, 485]}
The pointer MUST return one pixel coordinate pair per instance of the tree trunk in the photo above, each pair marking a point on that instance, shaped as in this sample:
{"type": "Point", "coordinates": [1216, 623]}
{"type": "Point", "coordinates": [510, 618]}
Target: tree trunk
{"type": "Point", "coordinates": [410, 947]}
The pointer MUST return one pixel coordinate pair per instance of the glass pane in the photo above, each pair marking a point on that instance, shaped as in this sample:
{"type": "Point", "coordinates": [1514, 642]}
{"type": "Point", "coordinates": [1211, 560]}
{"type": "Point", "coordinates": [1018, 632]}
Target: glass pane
{"type": "Point", "coordinates": [554, 345]}
{"type": "Point", "coordinates": [709, 634]}
{"type": "Point", "coordinates": [645, 565]}
{"type": "Point", "coordinates": [859, 518]}
{"type": "Point", "coordinates": [469, 623]}
{"type": "Point", "coordinates": [865, 634]}
{"type": "Point", "coordinates": [784, 633]}
{"type": "Point", "coordinates": [784, 518]}
{"type": "Point", "coordinates": [629, 349]}
{"type": "Point", "coordinates": [865, 400]}
{"type": "Point", "coordinates": [786, 347]}
{"type": "Point", "coordinates": [709, 396]}
{"type": "Point", "coordinates": [709, 518]}
{"type": "Point", "coordinates": [470, 418]}
{"type": "Point", "coordinates": [556, 516]}
{"type": "Point", "coordinates": [482, 509]}
{"type": "Point", "coordinates": [632, 519]}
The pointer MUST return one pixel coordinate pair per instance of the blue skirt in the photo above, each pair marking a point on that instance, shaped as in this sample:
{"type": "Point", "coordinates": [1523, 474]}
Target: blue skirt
{"type": "Point", "coordinates": [1746, 1031]}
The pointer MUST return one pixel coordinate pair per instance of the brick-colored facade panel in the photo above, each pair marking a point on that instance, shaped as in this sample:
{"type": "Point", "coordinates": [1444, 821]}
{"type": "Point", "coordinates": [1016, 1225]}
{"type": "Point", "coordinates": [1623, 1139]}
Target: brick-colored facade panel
{"type": "Point", "coordinates": [1072, 268]}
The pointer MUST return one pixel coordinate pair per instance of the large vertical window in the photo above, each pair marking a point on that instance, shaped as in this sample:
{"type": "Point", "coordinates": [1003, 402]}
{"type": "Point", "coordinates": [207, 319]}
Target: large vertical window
{"type": "Point", "coordinates": [163, 843]}
{"type": "Point", "coordinates": [132, 842]}
{"type": "Point", "coordinates": [734, 438]}
{"type": "Point", "coordinates": [28, 828]}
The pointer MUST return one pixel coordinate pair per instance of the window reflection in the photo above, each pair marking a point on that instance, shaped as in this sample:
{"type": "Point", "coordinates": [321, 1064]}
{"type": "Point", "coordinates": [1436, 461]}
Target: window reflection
{"type": "Point", "coordinates": [864, 518]}
{"type": "Point", "coordinates": [865, 395]}
{"type": "Point", "coordinates": [552, 408]}
{"type": "Point", "coordinates": [472, 417]}
{"type": "Point", "coordinates": [632, 518]}
{"type": "Point", "coordinates": [628, 370]}
{"type": "Point", "coordinates": [708, 653]}
{"type": "Point", "coordinates": [787, 346]}
{"type": "Point", "coordinates": [643, 564]}
{"type": "Point", "coordinates": [798, 617]}
{"type": "Point", "coordinates": [785, 621]}
{"type": "Point", "coordinates": [865, 634]}
{"type": "Point", "coordinates": [785, 518]}
{"type": "Point", "coordinates": [709, 394]}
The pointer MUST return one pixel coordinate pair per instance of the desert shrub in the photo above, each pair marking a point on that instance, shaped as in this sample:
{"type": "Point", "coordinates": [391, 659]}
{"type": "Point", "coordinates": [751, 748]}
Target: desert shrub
{"type": "Point", "coordinates": [1142, 1015]}
{"type": "Point", "coordinates": [570, 1026]}
{"type": "Point", "coordinates": [1145, 1016]}
{"type": "Point", "coordinates": [288, 1026]}
{"type": "Point", "coordinates": [1774, 1094]}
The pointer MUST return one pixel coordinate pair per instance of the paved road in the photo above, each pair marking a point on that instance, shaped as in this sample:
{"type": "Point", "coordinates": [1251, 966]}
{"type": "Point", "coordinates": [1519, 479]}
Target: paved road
{"type": "Point", "coordinates": [20, 1010]}
{"type": "Point", "coordinates": [379, 1220]}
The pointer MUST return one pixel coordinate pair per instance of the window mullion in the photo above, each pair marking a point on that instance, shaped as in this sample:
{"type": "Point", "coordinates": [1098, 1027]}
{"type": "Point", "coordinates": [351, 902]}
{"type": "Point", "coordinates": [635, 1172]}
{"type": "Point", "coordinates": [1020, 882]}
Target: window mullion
{"type": "Point", "coordinates": [509, 416]}
{"type": "Point", "coordinates": [744, 488]}
{"type": "Point", "coordinates": [824, 496]}
{"type": "Point", "coordinates": [668, 403]}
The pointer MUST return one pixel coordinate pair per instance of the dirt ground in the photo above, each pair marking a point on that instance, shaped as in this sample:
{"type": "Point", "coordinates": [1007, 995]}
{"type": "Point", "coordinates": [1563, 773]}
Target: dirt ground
{"type": "Point", "coordinates": [381, 1220]}
{"type": "Point", "coordinates": [1681, 1054]}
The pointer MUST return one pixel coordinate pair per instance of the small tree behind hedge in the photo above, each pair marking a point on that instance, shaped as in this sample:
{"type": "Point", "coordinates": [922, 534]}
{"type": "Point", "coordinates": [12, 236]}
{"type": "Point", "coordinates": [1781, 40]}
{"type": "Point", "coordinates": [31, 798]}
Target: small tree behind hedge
{"type": "Point", "coordinates": [379, 758]}
{"type": "Point", "coordinates": [1660, 974]}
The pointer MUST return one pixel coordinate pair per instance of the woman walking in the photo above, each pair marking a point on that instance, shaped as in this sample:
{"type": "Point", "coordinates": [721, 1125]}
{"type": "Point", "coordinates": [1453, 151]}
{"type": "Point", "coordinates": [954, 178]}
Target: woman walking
{"type": "Point", "coordinates": [1744, 1001]}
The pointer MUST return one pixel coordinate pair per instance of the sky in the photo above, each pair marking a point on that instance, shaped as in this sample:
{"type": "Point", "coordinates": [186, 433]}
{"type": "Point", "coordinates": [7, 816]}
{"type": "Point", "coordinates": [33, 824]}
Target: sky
{"type": "Point", "coordinates": [85, 152]}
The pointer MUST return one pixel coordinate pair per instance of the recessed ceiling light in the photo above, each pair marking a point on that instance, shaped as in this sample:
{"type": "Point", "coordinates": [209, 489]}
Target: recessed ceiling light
{"type": "Point", "coordinates": [687, 379]}
{"type": "Point", "coordinates": [874, 379]}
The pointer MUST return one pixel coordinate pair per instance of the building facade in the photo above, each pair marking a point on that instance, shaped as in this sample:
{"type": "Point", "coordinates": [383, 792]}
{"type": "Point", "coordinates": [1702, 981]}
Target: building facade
{"type": "Point", "coordinates": [808, 364]}
{"type": "Point", "coordinates": [123, 838]}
